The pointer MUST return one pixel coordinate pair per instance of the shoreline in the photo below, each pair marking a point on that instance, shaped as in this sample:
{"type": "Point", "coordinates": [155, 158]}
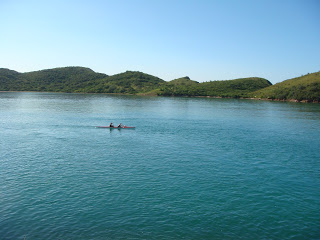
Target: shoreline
{"type": "Point", "coordinates": [146, 95]}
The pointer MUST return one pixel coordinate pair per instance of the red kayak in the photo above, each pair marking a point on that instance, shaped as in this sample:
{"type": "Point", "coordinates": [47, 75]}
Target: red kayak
{"type": "Point", "coordinates": [114, 127]}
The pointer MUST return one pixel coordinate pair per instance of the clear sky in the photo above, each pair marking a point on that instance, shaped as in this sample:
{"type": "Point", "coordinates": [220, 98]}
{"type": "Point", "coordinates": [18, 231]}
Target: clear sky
{"type": "Point", "coordinates": [203, 39]}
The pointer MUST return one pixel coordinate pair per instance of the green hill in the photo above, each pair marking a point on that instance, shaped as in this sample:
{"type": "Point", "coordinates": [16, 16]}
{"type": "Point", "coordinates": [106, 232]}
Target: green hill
{"type": "Point", "coordinates": [230, 88]}
{"type": "Point", "coordinates": [128, 82]}
{"type": "Point", "coordinates": [8, 79]}
{"type": "Point", "coordinates": [184, 81]}
{"type": "Point", "coordinates": [78, 79]}
{"type": "Point", "coordinates": [304, 88]}
{"type": "Point", "coordinates": [67, 79]}
{"type": "Point", "coordinates": [85, 80]}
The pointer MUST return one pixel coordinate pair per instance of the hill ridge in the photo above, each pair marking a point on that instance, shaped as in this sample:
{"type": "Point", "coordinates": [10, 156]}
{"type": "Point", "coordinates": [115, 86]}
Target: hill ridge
{"type": "Point", "coordinates": [303, 88]}
{"type": "Point", "coordinates": [84, 80]}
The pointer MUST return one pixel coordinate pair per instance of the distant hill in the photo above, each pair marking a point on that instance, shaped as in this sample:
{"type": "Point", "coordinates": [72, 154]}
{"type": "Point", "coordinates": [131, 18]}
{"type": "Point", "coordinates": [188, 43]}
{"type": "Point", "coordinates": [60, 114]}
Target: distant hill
{"type": "Point", "coordinates": [304, 88]}
{"type": "Point", "coordinates": [67, 79]}
{"type": "Point", "coordinates": [8, 79]}
{"type": "Point", "coordinates": [184, 81]}
{"type": "Point", "coordinates": [128, 82]}
{"type": "Point", "coordinates": [78, 79]}
{"type": "Point", "coordinates": [85, 80]}
{"type": "Point", "coordinates": [229, 88]}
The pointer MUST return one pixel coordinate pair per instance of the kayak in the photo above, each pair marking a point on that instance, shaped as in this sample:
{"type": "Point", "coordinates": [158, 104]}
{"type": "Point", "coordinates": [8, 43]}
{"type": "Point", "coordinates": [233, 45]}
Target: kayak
{"type": "Point", "coordinates": [115, 127]}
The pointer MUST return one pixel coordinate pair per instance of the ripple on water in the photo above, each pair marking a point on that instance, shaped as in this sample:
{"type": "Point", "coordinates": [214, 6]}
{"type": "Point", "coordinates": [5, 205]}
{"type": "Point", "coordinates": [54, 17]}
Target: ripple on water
{"type": "Point", "coordinates": [192, 169]}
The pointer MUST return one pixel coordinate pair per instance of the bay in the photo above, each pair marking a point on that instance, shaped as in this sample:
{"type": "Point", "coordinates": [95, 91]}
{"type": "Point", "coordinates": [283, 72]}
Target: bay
{"type": "Point", "coordinates": [194, 168]}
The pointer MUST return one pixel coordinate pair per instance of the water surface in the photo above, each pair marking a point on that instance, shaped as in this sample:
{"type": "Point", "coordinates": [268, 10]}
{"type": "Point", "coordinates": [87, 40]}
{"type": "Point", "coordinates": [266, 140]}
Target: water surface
{"type": "Point", "coordinates": [192, 169]}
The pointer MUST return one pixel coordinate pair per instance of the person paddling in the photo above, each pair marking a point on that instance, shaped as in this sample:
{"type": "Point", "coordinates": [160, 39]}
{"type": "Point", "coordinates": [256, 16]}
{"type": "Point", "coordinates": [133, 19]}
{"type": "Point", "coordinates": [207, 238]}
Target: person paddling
{"type": "Point", "coordinates": [120, 125]}
{"type": "Point", "coordinates": [111, 125]}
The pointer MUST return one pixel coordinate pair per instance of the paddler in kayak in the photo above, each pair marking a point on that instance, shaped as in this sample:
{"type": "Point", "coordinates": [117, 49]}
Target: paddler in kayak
{"type": "Point", "coordinates": [120, 125]}
{"type": "Point", "coordinates": [111, 125]}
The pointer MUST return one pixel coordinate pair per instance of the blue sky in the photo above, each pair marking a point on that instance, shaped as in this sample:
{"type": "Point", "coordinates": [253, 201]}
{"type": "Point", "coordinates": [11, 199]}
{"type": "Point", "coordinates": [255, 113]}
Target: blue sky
{"type": "Point", "coordinates": [203, 39]}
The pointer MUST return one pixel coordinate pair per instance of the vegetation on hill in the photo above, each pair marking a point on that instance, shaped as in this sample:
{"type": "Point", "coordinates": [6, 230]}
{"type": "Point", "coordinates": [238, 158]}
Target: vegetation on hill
{"type": "Point", "coordinates": [304, 88]}
{"type": "Point", "coordinates": [84, 80]}
{"type": "Point", "coordinates": [78, 79]}
{"type": "Point", "coordinates": [184, 81]}
{"type": "Point", "coordinates": [8, 79]}
{"type": "Point", "coordinates": [129, 82]}
{"type": "Point", "coordinates": [66, 79]}
{"type": "Point", "coordinates": [230, 88]}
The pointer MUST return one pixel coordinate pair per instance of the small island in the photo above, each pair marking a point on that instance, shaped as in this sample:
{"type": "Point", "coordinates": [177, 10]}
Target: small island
{"type": "Point", "coordinates": [84, 80]}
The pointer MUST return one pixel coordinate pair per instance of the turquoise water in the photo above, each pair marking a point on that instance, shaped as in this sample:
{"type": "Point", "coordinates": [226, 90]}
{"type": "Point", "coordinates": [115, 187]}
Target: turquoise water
{"type": "Point", "coordinates": [192, 169]}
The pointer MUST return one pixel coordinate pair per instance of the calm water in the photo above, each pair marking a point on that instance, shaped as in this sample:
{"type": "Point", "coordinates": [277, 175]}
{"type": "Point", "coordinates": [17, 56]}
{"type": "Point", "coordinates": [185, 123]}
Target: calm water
{"type": "Point", "coordinates": [192, 168]}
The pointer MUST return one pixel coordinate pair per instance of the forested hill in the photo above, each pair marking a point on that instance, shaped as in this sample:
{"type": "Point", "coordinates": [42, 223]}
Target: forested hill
{"type": "Point", "coordinates": [85, 80]}
{"type": "Point", "coordinates": [7, 75]}
{"type": "Point", "coordinates": [304, 88]}
{"type": "Point", "coordinates": [129, 82]}
{"type": "Point", "coordinates": [78, 79]}
{"type": "Point", "coordinates": [184, 81]}
{"type": "Point", "coordinates": [67, 79]}
{"type": "Point", "coordinates": [236, 88]}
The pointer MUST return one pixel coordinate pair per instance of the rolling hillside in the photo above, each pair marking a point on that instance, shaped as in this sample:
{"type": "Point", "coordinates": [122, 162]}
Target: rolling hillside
{"type": "Point", "coordinates": [129, 82]}
{"type": "Point", "coordinates": [85, 80]}
{"type": "Point", "coordinates": [230, 88]}
{"type": "Point", "coordinates": [67, 79]}
{"type": "Point", "coordinates": [184, 81]}
{"type": "Point", "coordinates": [304, 88]}
{"type": "Point", "coordinates": [8, 79]}
{"type": "Point", "coordinates": [78, 79]}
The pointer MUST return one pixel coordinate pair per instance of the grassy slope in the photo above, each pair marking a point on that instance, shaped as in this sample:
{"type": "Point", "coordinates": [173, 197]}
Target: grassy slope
{"type": "Point", "coordinates": [8, 79]}
{"type": "Point", "coordinates": [241, 87]}
{"type": "Point", "coordinates": [231, 88]}
{"type": "Point", "coordinates": [304, 88]}
{"type": "Point", "coordinates": [67, 79]}
{"type": "Point", "coordinates": [184, 81]}
{"type": "Point", "coordinates": [79, 79]}
{"type": "Point", "coordinates": [128, 82]}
